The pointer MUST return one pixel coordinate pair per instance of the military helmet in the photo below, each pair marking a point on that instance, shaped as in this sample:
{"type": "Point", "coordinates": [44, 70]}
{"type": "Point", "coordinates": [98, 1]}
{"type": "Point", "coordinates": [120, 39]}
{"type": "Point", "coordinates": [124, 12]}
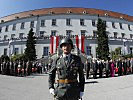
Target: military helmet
{"type": "Point", "coordinates": [66, 41]}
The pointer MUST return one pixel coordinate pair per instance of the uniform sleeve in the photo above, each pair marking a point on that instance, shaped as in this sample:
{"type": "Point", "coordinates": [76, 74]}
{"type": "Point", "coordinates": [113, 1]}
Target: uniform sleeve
{"type": "Point", "coordinates": [81, 76]}
{"type": "Point", "coordinates": [52, 74]}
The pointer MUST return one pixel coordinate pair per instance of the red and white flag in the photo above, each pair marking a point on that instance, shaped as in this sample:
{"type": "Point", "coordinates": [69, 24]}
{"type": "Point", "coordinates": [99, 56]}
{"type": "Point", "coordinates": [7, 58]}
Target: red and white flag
{"type": "Point", "coordinates": [54, 43]}
{"type": "Point", "coordinates": [80, 43]}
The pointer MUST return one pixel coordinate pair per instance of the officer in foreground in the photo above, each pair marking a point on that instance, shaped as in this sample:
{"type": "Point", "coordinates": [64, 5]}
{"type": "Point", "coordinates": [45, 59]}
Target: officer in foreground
{"type": "Point", "coordinates": [68, 67]}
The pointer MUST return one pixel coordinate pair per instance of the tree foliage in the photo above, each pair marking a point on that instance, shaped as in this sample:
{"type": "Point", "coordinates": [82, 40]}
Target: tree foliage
{"type": "Point", "coordinates": [4, 58]}
{"type": "Point", "coordinates": [116, 54]}
{"type": "Point", "coordinates": [19, 57]}
{"type": "Point", "coordinates": [30, 51]}
{"type": "Point", "coordinates": [102, 38]}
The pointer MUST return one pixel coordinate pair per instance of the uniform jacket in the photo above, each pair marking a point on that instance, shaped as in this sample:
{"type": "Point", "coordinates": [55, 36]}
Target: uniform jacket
{"type": "Point", "coordinates": [70, 72]}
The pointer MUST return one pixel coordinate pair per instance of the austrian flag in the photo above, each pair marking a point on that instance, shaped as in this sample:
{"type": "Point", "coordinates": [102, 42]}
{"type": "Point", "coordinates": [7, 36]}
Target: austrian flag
{"type": "Point", "coordinates": [80, 43]}
{"type": "Point", "coordinates": [54, 43]}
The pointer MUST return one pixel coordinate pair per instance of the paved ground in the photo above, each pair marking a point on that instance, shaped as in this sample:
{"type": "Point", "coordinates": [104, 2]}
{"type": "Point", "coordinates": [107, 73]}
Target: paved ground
{"type": "Point", "coordinates": [36, 88]}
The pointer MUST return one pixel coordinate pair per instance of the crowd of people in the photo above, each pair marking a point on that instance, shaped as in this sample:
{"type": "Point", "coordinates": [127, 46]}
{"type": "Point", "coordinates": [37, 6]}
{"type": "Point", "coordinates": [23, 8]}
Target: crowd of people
{"type": "Point", "coordinates": [101, 68]}
{"type": "Point", "coordinates": [95, 67]}
{"type": "Point", "coordinates": [22, 68]}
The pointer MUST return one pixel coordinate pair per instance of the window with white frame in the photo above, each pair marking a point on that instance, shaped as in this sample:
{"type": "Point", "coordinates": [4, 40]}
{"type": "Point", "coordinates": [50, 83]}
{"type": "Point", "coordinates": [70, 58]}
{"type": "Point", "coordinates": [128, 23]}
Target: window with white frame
{"type": "Point", "coordinates": [105, 23]}
{"type": "Point", "coordinates": [95, 34]}
{"type": "Point", "coordinates": [21, 35]}
{"type": "Point", "coordinates": [131, 36]}
{"type": "Point", "coordinates": [120, 25]}
{"type": "Point", "coordinates": [22, 25]}
{"type": "Point", "coordinates": [5, 37]}
{"type": "Point", "coordinates": [42, 23]}
{"type": "Point", "coordinates": [129, 28]}
{"type": "Point", "coordinates": [45, 51]}
{"type": "Point", "coordinates": [0, 29]}
{"type": "Point", "coordinates": [5, 51]}
{"type": "Point", "coordinates": [115, 34]}
{"type": "Point", "coordinates": [16, 51]}
{"type": "Point", "coordinates": [82, 22]}
{"type": "Point", "coordinates": [53, 22]}
{"type": "Point", "coordinates": [113, 25]}
{"type": "Point", "coordinates": [88, 50]}
{"type": "Point", "coordinates": [6, 29]}
{"type": "Point", "coordinates": [131, 50]}
{"type": "Point", "coordinates": [31, 24]}
{"type": "Point", "coordinates": [12, 36]}
{"type": "Point", "coordinates": [93, 23]}
{"type": "Point", "coordinates": [41, 33]}
{"type": "Point", "coordinates": [14, 27]}
{"type": "Point", "coordinates": [68, 21]}
{"type": "Point", "coordinates": [53, 32]}
{"type": "Point", "coordinates": [123, 35]}
{"type": "Point", "coordinates": [83, 32]}
{"type": "Point", "coordinates": [68, 32]}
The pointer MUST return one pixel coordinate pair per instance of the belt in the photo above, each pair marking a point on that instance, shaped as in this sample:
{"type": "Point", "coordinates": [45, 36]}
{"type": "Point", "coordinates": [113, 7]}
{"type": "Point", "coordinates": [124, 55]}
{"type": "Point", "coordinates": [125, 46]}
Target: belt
{"type": "Point", "coordinates": [66, 81]}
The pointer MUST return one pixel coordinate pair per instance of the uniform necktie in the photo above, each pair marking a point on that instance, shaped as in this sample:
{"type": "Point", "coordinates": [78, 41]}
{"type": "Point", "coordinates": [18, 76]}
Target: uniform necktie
{"type": "Point", "coordinates": [66, 60]}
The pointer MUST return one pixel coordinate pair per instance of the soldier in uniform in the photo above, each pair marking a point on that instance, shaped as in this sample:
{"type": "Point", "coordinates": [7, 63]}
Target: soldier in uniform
{"type": "Point", "coordinates": [68, 67]}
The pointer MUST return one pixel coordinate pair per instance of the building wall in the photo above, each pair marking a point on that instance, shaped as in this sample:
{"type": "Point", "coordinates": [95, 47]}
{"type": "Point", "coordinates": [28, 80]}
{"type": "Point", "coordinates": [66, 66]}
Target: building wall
{"type": "Point", "coordinates": [61, 28]}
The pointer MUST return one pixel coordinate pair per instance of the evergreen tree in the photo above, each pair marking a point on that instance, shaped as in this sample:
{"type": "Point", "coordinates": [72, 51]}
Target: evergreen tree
{"type": "Point", "coordinates": [102, 38]}
{"type": "Point", "coordinates": [30, 51]}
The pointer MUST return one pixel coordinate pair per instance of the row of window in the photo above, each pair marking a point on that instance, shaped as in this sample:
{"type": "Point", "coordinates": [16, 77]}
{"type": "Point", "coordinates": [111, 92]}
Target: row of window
{"type": "Point", "coordinates": [45, 51]}
{"type": "Point", "coordinates": [68, 33]}
{"type": "Point", "coordinates": [54, 23]}
{"type": "Point", "coordinates": [13, 36]}
{"type": "Point", "coordinates": [83, 32]}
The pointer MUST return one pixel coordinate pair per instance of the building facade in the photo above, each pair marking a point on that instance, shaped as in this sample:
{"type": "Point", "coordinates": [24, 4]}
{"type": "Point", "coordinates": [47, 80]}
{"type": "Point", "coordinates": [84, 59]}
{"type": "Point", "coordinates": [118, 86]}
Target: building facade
{"type": "Point", "coordinates": [64, 22]}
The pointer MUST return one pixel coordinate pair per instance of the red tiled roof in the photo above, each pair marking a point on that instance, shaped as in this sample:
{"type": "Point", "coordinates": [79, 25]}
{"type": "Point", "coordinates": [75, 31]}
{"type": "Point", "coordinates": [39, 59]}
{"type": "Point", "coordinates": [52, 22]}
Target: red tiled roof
{"type": "Point", "coordinates": [47, 11]}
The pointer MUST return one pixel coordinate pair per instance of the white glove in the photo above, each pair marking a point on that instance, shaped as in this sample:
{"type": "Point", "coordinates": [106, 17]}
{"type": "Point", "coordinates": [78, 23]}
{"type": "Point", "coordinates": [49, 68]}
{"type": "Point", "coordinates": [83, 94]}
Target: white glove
{"type": "Point", "coordinates": [51, 90]}
{"type": "Point", "coordinates": [81, 94]}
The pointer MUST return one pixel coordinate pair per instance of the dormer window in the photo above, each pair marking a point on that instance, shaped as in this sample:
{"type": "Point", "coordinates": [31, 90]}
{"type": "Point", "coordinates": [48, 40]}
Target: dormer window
{"type": "Point", "coordinates": [69, 11]}
{"type": "Point", "coordinates": [51, 12]}
{"type": "Point", "coordinates": [84, 12]}
{"type": "Point", "coordinates": [106, 14]}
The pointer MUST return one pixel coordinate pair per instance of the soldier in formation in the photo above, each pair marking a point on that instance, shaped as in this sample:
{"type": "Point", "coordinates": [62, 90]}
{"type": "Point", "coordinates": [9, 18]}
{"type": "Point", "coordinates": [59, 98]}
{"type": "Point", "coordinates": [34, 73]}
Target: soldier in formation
{"type": "Point", "coordinates": [68, 67]}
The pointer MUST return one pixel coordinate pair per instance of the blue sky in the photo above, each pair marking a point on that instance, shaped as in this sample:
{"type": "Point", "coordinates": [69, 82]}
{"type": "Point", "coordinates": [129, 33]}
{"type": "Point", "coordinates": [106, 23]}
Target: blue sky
{"type": "Point", "coordinates": [8, 7]}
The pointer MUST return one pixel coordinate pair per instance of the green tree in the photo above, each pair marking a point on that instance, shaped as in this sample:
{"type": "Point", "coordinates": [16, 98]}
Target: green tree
{"type": "Point", "coordinates": [19, 57]}
{"type": "Point", "coordinates": [116, 54]}
{"type": "Point", "coordinates": [30, 51]}
{"type": "Point", "coordinates": [102, 38]}
{"type": "Point", "coordinates": [5, 58]}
